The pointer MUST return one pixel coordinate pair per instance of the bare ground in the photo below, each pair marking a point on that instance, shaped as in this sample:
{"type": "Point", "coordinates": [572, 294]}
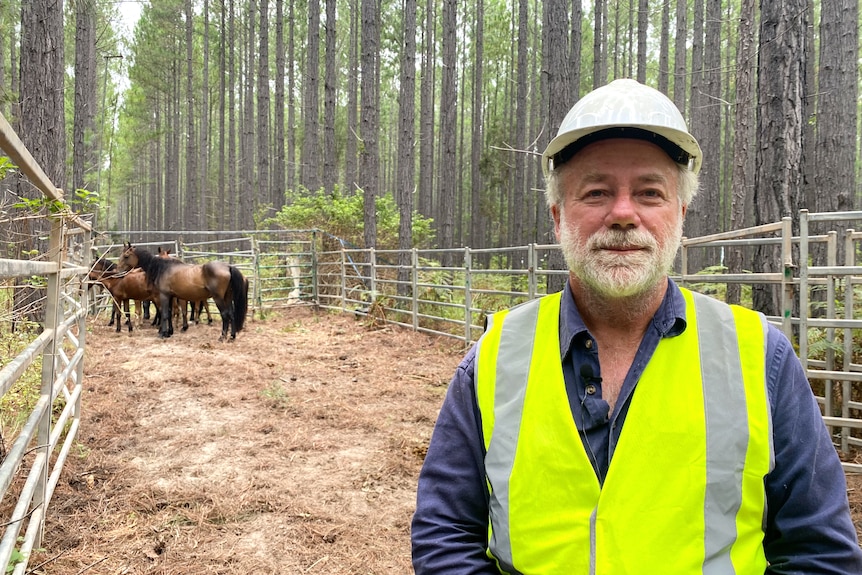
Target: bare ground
{"type": "Point", "coordinates": [294, 449]}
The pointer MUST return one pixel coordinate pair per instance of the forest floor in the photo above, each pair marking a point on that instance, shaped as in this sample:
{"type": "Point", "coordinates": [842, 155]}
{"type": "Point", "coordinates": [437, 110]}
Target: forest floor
{"type": "Point", "coordinates": [294, 449]}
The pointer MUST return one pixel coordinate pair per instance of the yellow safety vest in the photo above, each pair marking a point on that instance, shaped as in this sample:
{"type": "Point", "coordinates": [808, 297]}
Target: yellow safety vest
{"type": "Point", "coordinates": [684, 492]}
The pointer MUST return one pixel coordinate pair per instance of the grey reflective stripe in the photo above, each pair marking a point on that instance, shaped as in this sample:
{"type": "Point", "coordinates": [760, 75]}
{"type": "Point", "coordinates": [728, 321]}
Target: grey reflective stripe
{"type": "Point", "coordinates": [513, 369]}
{"type": "Point", "coordinates": [765, 325]}
{"type": "Point", "coordinates": [726, 430]}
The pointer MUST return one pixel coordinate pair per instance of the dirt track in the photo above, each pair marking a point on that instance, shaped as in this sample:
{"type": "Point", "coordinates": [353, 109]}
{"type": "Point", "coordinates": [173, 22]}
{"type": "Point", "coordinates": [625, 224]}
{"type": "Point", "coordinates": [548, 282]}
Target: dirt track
{"type": "Point", "coordinates": [294, 449]}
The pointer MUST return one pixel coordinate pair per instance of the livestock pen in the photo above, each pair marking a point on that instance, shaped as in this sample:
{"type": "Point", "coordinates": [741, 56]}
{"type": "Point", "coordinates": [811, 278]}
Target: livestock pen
{"type": "Point", "coordinates": [817, 295]}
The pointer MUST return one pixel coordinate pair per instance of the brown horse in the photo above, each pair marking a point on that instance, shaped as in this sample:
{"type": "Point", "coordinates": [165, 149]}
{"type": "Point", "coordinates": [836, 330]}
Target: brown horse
{"type": "Point", "coordinates": [195, 307]}
{"type": "Point", "coordinates": [105, 268]}
{"type": "Point", "coordinates": [194, 282]}
{"type": "Point", "coordinates": [123, 287]}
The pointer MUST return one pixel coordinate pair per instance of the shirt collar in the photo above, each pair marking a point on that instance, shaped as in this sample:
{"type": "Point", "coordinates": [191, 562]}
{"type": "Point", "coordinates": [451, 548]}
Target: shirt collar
{"type": "Point", "coordinates": [669, 320]}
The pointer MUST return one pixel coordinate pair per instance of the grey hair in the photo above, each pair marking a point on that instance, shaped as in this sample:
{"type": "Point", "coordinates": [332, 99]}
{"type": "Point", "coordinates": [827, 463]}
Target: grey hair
{"type": "Point", "coordinates": [688, 185]}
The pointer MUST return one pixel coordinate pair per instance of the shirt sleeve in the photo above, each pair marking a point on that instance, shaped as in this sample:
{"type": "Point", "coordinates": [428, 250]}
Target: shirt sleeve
{"type": "Point", "coordinates": [809, 528]}
{"type": "Point", "coordinates": [450, 526]}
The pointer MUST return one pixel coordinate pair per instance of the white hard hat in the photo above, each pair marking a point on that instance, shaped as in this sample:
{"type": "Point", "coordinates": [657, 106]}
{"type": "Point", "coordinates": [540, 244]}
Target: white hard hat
{"type": "Point", "coordinates": [624, 109]}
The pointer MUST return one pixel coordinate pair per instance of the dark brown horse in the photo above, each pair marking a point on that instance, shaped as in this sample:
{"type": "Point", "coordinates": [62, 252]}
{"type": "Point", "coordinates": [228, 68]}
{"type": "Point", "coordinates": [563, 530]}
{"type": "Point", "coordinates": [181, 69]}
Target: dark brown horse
{"type": "Point", "coordinates": [131, 285]}
{"type": "Point", "coordinates": [173, 278]}
{"type": "Point", "coordinates": [106, 273]}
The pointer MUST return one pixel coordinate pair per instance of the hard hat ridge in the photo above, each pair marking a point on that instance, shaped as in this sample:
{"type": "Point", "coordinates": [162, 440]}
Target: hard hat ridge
{"type": "Point", "coordinates": [623, 109]}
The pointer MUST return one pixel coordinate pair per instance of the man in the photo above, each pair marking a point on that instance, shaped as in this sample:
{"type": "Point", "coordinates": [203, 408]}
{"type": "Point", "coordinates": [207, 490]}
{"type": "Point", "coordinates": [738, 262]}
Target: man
{"type": "Point", "coordinates": [626, 425]}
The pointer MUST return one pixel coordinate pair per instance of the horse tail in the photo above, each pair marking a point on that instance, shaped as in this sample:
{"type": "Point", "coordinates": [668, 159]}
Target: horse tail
{"type": "Point", "coordinates": [239, 288]}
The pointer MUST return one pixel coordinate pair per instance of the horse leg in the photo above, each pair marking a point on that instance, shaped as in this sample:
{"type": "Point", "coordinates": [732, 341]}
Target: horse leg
{"type": "Point", "coordinates": [183, 306]}
{"type": "Point", "coordinates": [117, 312]}
{"type": "Point", "coordinates": [224, 310]}
{"type": "Point", "coordinates": [166, 329]}
{"type": "Point", "coordinates": [128, 314]}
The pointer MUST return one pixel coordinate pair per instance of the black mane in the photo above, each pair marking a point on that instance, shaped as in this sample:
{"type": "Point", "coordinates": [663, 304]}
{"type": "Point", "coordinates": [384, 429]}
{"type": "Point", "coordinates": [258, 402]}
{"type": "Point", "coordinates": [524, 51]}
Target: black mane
{"type": "Point", "coordinates": [154, 266]}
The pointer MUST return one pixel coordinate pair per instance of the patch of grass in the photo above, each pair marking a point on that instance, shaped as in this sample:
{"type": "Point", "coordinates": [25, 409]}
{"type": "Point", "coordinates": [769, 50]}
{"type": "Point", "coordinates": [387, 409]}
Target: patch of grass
{"type": "Point", "coordinates": [275, 396]}
{"type": "Point", "coordinates": [18, 402]}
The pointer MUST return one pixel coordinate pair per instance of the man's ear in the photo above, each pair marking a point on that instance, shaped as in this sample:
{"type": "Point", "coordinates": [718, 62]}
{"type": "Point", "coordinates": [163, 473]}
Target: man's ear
{"type": "Point", "coordinates": [555, 214]}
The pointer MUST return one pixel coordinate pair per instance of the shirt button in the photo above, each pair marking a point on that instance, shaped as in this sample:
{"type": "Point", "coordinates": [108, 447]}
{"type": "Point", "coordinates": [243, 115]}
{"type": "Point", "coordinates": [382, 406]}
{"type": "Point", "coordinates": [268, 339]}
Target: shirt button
{"type": "Point", "coordinates": [588, 344]}
{"type": "Point", "coordinates": [591, 389]}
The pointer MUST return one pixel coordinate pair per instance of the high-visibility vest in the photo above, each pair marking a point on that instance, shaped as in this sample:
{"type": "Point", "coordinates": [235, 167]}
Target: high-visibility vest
{"type": "Point", "coordinates": [684, 491]}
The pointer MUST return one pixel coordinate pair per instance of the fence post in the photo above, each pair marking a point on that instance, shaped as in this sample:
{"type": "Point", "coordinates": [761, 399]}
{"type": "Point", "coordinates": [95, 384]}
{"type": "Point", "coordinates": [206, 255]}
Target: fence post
{"type": "Point", "coordinates": [787, 277]}
{"type": "Point", "coordinates": [831, 260]}
{"type": "Point", "coordinates": [846, 386]}
{"type": "Point", "coordinates": [343, 278]}
{"type": "Point", "coordinates": [468, 296]}
{"type": "Point", "coordinates": [53, 318]}
{"type": "Point", "coordinates": [82, 320]}
{"type": "Point", "coordinates": [372, 274]}
{"type": "Point", "coordinates": [415, 290]}
{"type": "Point", "coordinates": [532, 267]}
{"type": "Point", "coordinates": [683, 260]}
{"type": "Point", "coordinates": [257, 297]}
{"type": "Point", "coordinates": [803, 285]}
{"type": "Point", "coordinates": [315, 278]}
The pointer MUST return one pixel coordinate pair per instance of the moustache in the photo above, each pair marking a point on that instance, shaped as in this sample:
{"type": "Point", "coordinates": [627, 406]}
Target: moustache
{"type": "Point", "coordinates": [622, 240]}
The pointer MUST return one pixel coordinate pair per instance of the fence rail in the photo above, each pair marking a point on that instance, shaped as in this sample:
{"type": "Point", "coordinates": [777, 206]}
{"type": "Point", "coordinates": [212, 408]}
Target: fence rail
{"type": "Point", "coordinates": [31, 468]}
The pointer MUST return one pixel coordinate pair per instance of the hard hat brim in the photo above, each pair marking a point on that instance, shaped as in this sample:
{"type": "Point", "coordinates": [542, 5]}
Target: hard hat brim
{"type": "Point", "coordinates": [678, 139]}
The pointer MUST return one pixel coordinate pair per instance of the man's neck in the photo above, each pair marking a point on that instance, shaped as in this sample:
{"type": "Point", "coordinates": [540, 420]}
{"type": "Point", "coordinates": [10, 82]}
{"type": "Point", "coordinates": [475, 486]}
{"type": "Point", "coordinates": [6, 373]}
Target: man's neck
{"type": "Point", "coordinates": [606, 316]}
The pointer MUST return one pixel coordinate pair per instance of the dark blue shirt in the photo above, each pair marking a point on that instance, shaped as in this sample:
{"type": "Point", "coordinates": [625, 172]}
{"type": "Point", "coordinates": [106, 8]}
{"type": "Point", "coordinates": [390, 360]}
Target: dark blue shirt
{"type": "Point", "coordinates": [808, 524]}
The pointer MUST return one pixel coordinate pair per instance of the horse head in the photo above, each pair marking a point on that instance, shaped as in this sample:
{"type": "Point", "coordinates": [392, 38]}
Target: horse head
{"type": "Point", "coordinates": [129, 258]}
{"type": "Point", "coordinates": [98, 269]}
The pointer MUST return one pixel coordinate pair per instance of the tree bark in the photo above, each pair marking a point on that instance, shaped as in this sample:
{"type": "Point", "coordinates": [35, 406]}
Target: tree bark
{"type": "Point", "coordinates": [263, 108]}
{"type": "Point", "coordinates": [330, 154]}
{"type": "Point", "coordinates": [779, 127]}
{"type": "Point", "coordinates": [743, 138]}
{"type": "Point", "coordinates": [278, 167]}
{"type": "Point", "coordinates": [448, 123]}
{"type": "Point", "coordinates": [309, 152]}
{"type": "Point", "coordinates": [406, 144]}
{"type": "Point", "coordinates": [369, 158]}
{"type": "Point", "coordinates": [84, 130]}
{"type": "Point", "coordinates": [426, 114]}
{"type": "Point", "coordinates": [192, 218]}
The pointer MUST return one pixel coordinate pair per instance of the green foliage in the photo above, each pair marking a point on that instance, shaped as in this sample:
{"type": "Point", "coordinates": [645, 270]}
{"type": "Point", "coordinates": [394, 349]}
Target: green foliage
{"type": "Point", "coordinates": [17, 557]}
{"type": "Point", "coordinates": [18, 402]}
{"type": "Point", "coordinates": [276, 396]}
{"type": "Point", "coordinates": [6, 167]}
{"type": "Point", "coordinates": [87, 198]}
{"type": "Point", "coordinates": [342, 215]}
{"type": "Point", "coordinates": [822, 342]}
{"type": "Point", "coordinates": [36, 205]}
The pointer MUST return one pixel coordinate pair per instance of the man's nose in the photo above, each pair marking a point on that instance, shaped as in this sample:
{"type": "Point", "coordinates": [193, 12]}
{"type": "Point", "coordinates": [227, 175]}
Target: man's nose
{"type": "Point", "coordinates": [623, 212]}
